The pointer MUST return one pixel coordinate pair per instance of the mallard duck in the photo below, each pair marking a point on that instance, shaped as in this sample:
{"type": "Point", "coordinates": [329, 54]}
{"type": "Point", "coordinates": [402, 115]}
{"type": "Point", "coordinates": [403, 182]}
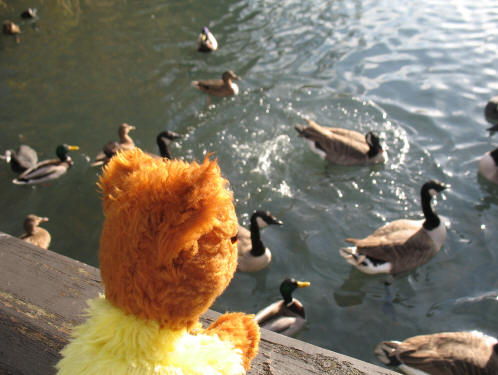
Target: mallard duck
{"type": "Point", "coordinates": [10, 28]}
{"type": "Point", "coordinates": [448, 353]}
{"type": "Point", "coordinates": [48, 169]}
{"type": "Point", "coordinates": [402, 244]}
{"type": "Point", "coordinates": [253, 255]}
{"type": "Point", "coordinates": [206, 42]}
{"type": "Point", "coordinates": [125, 143]}
{"type": "Point", "coordinates": [342, 146]}
{"type": "Point", "coordinates": [219, 87]}
{"type": "Point", "coordinates": [488, 165]}
{"type": "Point", "coordinates": [36, 235]}
{"type": "Point", "coordinates": [491, 113]}
{"type": "Point", "coordinates": [163, 140]}
{"type": "Point", "coordinates": [287, 315]}
{"type": "Point", "coordinates": [21, 159]}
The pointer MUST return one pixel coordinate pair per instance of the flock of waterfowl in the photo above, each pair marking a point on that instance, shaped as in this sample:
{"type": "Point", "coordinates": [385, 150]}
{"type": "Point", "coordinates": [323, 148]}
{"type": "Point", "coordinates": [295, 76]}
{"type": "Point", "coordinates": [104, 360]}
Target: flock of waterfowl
{"type": "Point", "coordinates": [394, 248]}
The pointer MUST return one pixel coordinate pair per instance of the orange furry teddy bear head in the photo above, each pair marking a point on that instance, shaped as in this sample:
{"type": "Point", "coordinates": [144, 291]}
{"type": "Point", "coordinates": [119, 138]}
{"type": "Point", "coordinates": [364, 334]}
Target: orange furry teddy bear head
{"type": "Point", "coordinates": [167, 251]}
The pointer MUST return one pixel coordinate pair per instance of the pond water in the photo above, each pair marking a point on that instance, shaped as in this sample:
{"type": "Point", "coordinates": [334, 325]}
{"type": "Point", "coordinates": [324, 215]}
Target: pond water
{"type": "Point", "coordinates": [418, 73]}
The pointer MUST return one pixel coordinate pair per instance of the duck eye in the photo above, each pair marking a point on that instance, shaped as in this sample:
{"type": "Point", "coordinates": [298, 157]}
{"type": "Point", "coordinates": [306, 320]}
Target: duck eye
{"type": "Point", "coordinates": [234, 239]}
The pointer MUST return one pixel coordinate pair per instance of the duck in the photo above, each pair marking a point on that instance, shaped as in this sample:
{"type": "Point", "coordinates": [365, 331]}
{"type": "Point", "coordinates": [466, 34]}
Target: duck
{"type": "Point", "coordinates": [163, 140]}
{"type": "Point", "coordinates": [287, 315]}
{"type": "Point", "coordinates": [445, 353]}
{"type": "Point", "coordinates": [206, 42]}
{"type": "Point", "coordinates": [491, 113]}
{"type": "Point", "coordinates": [400, 245]}
{"type": "Point", "coordinates": [29, 13]}
{"type": "Point", "coordinates": [219, 87]}
{"type": "Point", "coordinates": [48, 169]}
{"type": "Point", "coordinates": [10, 28]}
{"type": "Point", "coordinates": [35, 234]}
{"type": "Point", "coordinates": [253, 256]}
{"type": "Point", "coordinates": [488, 166]}
{"type": "Point", "coordinates": [125, 143]}
{"type": "Point", "coordinates": [342, 146]}
{"type": "Point", "coordinates": [24, 157]}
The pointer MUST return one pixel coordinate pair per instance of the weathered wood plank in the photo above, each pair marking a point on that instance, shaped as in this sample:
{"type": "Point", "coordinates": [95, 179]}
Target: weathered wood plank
{"type": "Point", "coordinates": [43, 295]}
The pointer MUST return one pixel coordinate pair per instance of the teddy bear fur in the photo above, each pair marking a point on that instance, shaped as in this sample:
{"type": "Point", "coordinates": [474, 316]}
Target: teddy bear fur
{"type": "Point", "coordinates": [167, 251]}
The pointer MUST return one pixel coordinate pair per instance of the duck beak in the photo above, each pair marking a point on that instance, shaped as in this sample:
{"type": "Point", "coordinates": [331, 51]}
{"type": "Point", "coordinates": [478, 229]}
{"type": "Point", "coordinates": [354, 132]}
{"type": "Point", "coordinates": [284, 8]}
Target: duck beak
{"type": "Point", "coordinates": [73, 148]}
{"type": "Point", "coordinates": [303, 284]}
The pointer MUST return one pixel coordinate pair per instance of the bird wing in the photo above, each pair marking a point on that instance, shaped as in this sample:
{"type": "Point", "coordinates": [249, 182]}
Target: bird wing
{"type": "Point", "coordinates": [43, 172]}
{"type": "Point", "coordinates": [401, 239]}
{"type": "Point", "coordinates": [269, 312]}
{"type": "Point", "coordinates": [38, 166]}
{"type": "Point", "coordinates": [244, 236]}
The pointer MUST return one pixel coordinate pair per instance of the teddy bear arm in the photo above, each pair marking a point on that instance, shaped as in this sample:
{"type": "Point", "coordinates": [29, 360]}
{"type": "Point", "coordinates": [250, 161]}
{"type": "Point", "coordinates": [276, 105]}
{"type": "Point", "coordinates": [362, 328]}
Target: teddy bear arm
{"type": "Point", "coordinates": [241, 330]}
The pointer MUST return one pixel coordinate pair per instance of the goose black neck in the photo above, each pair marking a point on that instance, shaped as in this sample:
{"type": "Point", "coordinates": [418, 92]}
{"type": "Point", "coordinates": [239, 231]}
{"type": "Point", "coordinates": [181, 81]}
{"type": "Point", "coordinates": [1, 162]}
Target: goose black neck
{"type": "Point", "coordinates": [373, 151]}
{"type": "Point", "coordinates": [163, 148]}
{"type": "Point", "coordinates": [258, 248]}
{"type": "Point", "coordinates": [431, 219]}
{"type": "Point", "coordinates": [494, 155]}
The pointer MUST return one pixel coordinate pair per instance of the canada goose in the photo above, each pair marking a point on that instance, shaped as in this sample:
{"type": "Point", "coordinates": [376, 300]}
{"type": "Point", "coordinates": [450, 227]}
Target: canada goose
{"type": "Point", "coordinates": [287, 315]}
{"type": "Point", "coordinates": [342, 146]}
{"type": "Point", "coordinates": [10, 28]}
{"type": "Point", "coordinates": [253, 255]}
{"type": "Point", "coordinates": [36, 235]}
{"type": "Point", "coordinates": [219, 87]}
{"type": "Point", "coordinates": [491, 113]}
{"type": "Point", "coordinates": [125, 143]}
{"type": "Point", "coordinates": [48, 169]}
{"type": "Point", "coordinates": [21, 159]}
{"type": "Point", "coordinates": [206, 42]}
{"type": "Point", "coordinates": [163, 139]}
{"type": "Point", "coordinates": [448, 353]}
{"type": "Point", "coordinates": [402, 244]}
{"type": "Point", "coordinates": [488, 165]}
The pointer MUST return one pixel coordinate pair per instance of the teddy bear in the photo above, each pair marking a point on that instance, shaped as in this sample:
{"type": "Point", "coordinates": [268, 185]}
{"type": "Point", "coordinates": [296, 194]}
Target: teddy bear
{"type": "Point", "coordinates": [168, 249]}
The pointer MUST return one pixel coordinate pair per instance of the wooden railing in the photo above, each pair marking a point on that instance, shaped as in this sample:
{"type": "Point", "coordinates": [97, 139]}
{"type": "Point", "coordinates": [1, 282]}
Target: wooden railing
{"type": "Point", "coordinates": [42, 296]}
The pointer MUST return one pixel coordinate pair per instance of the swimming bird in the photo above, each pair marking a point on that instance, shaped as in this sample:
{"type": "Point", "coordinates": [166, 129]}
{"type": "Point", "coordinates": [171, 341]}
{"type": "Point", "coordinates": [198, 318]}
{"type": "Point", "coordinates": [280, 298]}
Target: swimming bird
{"type": "Point", "coordinates": [10, 28]}
{"type": "Point", "coordinates": [447, 353]}
{"type": "Point", "coordinates": [35, 234]}
{"type": "Point", "coordinates": [125, 143]}
{"type": "Point", "coordinates": [342, 146]}
{"type": "Point", "coordinates": [21, 159]}
{"type": "Point", "coordinates": [253, 255]}
{"type": "Point", "coordinates": [219, 87]}
{"type": "Point", "coordinates": [48, 169]}
{"type": "Point", "coordinates": [491, 113]}
{"type": "Point", "coordinates": [163, 140]}
{"type": "Point", "coordinates": [287, 315]}
{"type": "Point", "coordinates": [206, 42]}
{"type": "Point", "coordinates": [403, 244]}
{"type": "Point", "coordinates": [488, 166]}
{"type": "Point", "coordinates": [29, 13]}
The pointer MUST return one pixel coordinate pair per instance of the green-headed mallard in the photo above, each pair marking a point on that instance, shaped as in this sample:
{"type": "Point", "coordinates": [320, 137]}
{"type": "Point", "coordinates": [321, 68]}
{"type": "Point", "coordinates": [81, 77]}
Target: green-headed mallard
{"type": "Point", "coordinates": [342, 146]}
{"type": "Point", "coordinates": [206, 42]}
{"type": "Point", "coordinates": [125, 143]}
{"type": "Point", "coordinates": [36, 235]}
{"type": "Point", "coordinates": [253, 255]}
{"type": "Point", "coordinates": [21, 159]}
{"type": "Point", "coordinates": [287, 315]}
{"type": "Point", "coordinates": [48, 169]}
{"type": "Point", "coordinates": [219, 87]}
{"type": "Point", "coordinates": [403, 244]}
{"type": "Point", "coordinates": [446, 353]}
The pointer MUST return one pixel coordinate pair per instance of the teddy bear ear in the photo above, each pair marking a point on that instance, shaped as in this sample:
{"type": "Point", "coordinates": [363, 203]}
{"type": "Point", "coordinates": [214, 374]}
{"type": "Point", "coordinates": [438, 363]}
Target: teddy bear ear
{"type": "Point", "coordinates": [241, 330]}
